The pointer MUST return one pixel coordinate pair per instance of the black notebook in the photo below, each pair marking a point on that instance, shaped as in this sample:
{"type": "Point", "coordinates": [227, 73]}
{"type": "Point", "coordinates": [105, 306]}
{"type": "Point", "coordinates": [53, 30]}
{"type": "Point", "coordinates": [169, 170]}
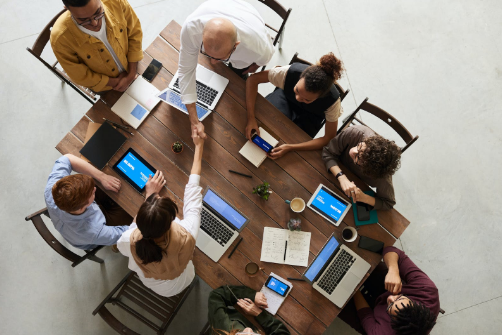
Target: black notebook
{"type": "Point", "coordinates": [101, 147]}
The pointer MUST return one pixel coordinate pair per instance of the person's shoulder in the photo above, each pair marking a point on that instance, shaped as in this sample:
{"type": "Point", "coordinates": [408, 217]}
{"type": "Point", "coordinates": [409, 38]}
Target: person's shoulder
{"type": "Point", "coordinates": [61, 27]}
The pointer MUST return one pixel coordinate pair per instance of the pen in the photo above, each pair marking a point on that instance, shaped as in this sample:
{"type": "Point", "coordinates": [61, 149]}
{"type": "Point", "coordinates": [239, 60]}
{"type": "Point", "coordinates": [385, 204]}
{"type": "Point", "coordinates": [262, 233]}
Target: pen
{"type": "Point", "coordinates": [232, 293]}
{"type": "Point", "coordinates": [297, 279]}
{"type": "Point", "coordinates": [231, 252]}
{"type": "Point", "coordinates": [285, 248]}
{"type": "Point", "coordinates": [242, 174]}
{"type": "Point", "coordinates": [124, 128]}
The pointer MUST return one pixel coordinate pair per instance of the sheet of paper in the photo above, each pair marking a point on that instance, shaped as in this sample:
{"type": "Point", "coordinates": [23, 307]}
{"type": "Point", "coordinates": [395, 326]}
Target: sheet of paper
{"type": "Point", "coordinates": [253, 153]}
{"type": "Point", "coordinates": [144, 93]}
{"type": "Point", "coordinates": [298, 248]}
{"type": "Point", "coordinates": [130, 111]}
{"type": "Point", "coordinates": [274, 245]}
{"type": "Point", "coordinates": [274, 300]}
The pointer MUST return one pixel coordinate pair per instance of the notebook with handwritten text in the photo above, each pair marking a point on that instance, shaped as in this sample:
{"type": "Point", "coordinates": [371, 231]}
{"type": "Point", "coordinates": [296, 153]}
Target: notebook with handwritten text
{"type": "Point", "coordinates": [283, 246]}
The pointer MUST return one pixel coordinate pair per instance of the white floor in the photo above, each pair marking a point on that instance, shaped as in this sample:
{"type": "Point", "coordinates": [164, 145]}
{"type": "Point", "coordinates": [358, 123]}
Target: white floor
{"type": "Point", "coordinates": [435, 65]}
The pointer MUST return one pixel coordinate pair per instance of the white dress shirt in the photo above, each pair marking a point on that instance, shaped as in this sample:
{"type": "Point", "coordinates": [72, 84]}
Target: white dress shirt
{"type": "Point", "coordinates": [256, 44]}
{"type": "Point", "coordinates": [191, 222]}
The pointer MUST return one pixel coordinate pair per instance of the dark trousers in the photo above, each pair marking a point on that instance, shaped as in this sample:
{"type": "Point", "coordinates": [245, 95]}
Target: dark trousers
{"type": "Point", "coordinates": [114, 214]}
{"type": "Point", "coordinates": [374, 286]}
{"type": "Point", "coordinates": [308, 122]}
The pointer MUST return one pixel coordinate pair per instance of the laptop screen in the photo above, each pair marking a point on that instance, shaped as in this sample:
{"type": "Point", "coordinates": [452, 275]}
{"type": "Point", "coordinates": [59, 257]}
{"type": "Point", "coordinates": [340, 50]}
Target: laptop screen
{"type": "Point", "coordinates": [329, 203]}
{"type": "Point", "coordinates": [224, 209]}
{"type": "Point", "coordinates": [321, 260]}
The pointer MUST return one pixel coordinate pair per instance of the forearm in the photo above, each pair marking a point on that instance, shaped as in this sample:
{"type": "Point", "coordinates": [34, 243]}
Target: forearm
{"type": "Point", "coordinates": [368, 199]}
{"type": "Point", "coordinates": [391, 259]}
{"type": "Point", "coordinates": [81, 166]}
{"type": "Point", "coordinates": [314, 144]}
{"type": "Point", "coordinates": [133, 68]}
{"type": "Point", "coordinates": [192, 114]}
{"type": "Point", "coordinates": [359, 301]}
{"type": "Point", "coordinates": [197, 160]}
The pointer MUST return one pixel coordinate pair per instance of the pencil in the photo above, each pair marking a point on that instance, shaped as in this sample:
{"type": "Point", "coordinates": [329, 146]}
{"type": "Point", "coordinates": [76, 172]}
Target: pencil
{"type": "Point", "coordinates": [124, 128]}
{"type": "Point", "coordinates": [297, 279]}
{"type": "Point", "coordinates": [231, 252]}
{"type": "Point", "coordinates": [242, 174]}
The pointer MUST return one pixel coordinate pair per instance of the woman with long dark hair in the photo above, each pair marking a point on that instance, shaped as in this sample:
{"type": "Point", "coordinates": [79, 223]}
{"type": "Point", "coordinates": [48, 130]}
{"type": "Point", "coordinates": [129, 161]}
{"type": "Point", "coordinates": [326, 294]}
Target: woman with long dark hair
{"type": "Point", "coordinates": [306, 95]}
{"type": "Point", "coordinates": [159, 245]}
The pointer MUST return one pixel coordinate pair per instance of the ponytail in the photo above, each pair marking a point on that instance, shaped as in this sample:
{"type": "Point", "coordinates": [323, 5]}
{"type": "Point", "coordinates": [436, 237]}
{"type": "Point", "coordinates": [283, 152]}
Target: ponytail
{"type": "Point", "coordinates": [148, 251]}
{"type": "Point", "coordinates": [320, 77]}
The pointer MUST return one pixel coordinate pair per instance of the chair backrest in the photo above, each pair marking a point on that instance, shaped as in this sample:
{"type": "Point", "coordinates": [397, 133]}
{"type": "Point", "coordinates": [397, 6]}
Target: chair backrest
{"type": "Point", "coordinates": [385, 117]}
{"type": "Point", "coordinates": [296, 59]}
{"type": "Point", "coordinates": [139, 296]}
{"type": "Point", "coordinates": [282, 12]}
{"type": "Point", "coordinates": [38, 222]}
{"type": "Point", "coordinates": [44, 36]}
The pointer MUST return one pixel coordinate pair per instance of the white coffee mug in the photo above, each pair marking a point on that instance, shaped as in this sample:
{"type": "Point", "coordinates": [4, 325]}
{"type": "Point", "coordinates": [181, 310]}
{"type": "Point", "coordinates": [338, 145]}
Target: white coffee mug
{"type": "Point", "coordinates": [297, 205]}
{"type": "Point", "coordinates": [353, 231]}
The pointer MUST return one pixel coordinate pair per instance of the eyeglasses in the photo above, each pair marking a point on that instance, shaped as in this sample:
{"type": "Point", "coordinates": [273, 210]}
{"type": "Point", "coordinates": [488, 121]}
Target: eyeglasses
{"type": "Point", "coordinates": [96, 17]}
{"type": "Point", "coordinates": [392, 304]}
{"type": "Point", "coordinates": [218, 59]}
{"type": "Point", "coordinates": [359, 153]}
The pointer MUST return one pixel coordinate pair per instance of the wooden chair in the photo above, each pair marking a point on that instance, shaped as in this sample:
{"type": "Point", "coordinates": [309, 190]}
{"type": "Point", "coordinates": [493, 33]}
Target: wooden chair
{"type": "Point", "coordinates": [38, 48]}
{"type": "Point", "coordinates": [284, 14]}
{"type": "Point", "coordinates": [296, 59]}
{"type": "Point", "coordinates": [39, 223]}
{"type": "Point", "coordinates": [132, 289]}
{"type": "Point", "coordinates": [385, 117]}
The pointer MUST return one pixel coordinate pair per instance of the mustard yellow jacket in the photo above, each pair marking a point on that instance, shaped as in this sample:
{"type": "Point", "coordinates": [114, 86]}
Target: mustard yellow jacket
{"type": "Point", "coordinates": [85, 58]}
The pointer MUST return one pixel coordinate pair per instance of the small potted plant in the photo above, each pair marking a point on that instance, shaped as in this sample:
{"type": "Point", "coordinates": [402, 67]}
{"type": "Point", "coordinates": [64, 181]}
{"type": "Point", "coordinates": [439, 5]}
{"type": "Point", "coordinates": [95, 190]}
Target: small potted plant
{"type": "Point", "coordinates": [262, 190]}
{"type": "Point", "coordinates": [295, 224]}
{"type": "Point", "coordinates": [177, 147]}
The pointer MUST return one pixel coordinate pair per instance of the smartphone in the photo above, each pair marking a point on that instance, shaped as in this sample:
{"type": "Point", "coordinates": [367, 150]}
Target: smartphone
{"type": "Point", "coordinates": [264, 145]}
{"type": "Point", "coordinates": [277, 286]}
{"type": "Point", "coordinates": [363, 211]}
{"type": "Point", "coordinates": [371, 244]}
{"type": "Point", "coordinates": [152, 70]}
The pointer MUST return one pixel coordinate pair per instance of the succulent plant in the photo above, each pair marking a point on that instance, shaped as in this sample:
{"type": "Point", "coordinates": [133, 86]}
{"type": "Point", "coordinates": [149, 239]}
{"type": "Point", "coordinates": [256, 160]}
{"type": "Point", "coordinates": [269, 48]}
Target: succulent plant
{"type": "Point", "coordinates": [295, 224]}
{"type": "Point", "coordinates": [262, 190]}
{"type": "Point", "coordinates": [177, 147]}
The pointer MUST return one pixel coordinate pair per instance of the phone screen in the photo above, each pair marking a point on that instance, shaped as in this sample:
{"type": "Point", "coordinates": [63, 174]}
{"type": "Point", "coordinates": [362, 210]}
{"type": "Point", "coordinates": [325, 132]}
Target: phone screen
{"type": "Point", "coordinates": [371, 244]}
{"type": "Point", "coordinates": [152, 70]}
{"type": "Point", "coordinates": [265, 146]}
{"type": "Point", "coordinates": [277, 286]}
{"type": "Point", "coordinates": [363, 211]}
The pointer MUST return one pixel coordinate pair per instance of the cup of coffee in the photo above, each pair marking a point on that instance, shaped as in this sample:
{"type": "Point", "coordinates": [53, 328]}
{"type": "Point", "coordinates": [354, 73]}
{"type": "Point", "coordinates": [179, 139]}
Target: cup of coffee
{"type": "Point", "coordinates": [252, 269]}
{"type": "Point", "coordinates": [349, 234]}
{"type": "Point", "coordinates": [297, 205]}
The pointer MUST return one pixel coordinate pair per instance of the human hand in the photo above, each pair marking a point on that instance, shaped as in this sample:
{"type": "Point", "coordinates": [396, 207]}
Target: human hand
{"type": "Point", "coordinates": [252, 69]}
{"type": "Point", "coordinates": [393, 282]}
{"type": "Point", "coordinates": [348, 187]}
{"type": "Point", "coordinates": [200, 129]}
{"type": "Point", "coordinates": [249, 307]}
{"type": "Point", "coordinates": [279, 151]}
{"type": "Point", "coordinates": [252, 127]}
{"type": "Point", "coordinates": [110, 183]}
{"type": "Point", "coordinates": [155, 183]}
{"type": "Point", "coordinates": [197, 140]}
{"type": "Point", "coordinates": [125, 81]}
{"type": "Point", "coordinates": [260, 300]}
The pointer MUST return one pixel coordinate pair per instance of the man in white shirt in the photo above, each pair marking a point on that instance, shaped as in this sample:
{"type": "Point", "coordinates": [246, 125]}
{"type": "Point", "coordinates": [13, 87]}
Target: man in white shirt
{"type": "Point", "coordinates": [229, 31]}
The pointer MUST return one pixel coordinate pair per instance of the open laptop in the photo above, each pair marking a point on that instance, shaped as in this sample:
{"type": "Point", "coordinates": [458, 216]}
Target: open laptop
{"type": "Point", "coordinates": [336, 271]}
{"type": "Point", "coordinates": [220, 225]}
{"type": "Point", "coordinates": [210, 86]}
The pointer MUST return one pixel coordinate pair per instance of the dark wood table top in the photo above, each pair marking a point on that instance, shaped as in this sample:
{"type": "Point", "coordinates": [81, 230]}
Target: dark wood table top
{"type": "Point", "coordinates": [305, 311]}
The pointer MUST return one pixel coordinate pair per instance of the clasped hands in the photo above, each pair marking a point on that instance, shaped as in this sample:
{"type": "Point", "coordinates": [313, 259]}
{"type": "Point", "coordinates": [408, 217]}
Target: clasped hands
{"type": "Point", "coordinates": [253, 308]}
{"type": "Point", "coordinates": [351, 190]}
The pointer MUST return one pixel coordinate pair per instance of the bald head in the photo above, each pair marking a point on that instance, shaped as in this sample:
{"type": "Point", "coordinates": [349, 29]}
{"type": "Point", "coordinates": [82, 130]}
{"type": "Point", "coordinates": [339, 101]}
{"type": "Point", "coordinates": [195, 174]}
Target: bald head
{"type": "Point", "coordinates": [219, 37]}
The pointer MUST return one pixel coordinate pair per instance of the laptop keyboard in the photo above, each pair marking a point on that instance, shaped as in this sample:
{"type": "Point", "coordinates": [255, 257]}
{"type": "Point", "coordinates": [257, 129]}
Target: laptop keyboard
{"type": "Point", "coordinates": [205, 94]}
{"type": "Point", "coordinates": [336, 271]}
{"type": "Point", "coordinates": [175, 99]}
{"type": "Point", "coordinates": [215, 228]}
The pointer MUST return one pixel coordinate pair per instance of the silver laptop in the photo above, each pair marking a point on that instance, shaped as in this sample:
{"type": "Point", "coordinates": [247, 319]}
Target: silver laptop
{"type": "Point", "coordinates": [336, 271]}
{"type": "Point", "coordinates": [220, 225]}
{"type": "Point", "coordinates": [329, 205]}
{"type": "Point", "coordinates": [210, 86]}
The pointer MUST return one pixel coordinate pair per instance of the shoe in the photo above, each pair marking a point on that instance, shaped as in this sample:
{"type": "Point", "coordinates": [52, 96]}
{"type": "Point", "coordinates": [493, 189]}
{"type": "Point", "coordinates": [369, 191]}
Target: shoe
{"type": "Point", "coordinates": [115, 249]}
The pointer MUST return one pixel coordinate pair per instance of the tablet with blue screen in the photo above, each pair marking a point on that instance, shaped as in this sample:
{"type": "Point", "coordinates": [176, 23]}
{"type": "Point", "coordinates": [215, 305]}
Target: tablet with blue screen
{"type": "Point", "coordinates": [329, 205]}
{"type": "Point", "coordinates": [134, 169]}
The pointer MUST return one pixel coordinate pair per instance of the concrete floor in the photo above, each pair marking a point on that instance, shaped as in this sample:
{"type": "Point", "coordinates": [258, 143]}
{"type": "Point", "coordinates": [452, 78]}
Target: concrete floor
{"type": "Point", "coordinates": [435, 65]}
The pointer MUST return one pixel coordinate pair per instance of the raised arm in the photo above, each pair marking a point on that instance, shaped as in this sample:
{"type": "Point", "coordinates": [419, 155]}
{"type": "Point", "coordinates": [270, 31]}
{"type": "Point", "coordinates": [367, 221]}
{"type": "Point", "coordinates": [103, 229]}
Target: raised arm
{"type": "Point", "coordinates": [79, 165]}
{"type": "Point", "coordinates": [251, 93]}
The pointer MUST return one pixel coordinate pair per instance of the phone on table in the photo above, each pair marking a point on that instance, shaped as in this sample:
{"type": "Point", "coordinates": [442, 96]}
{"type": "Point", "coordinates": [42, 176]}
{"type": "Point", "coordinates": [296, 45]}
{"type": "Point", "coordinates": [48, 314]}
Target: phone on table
{"type": "Point", "coordinates": [152, 70]}
{"type": "Point", "coordinates": [371, 244]}
{"type": "Point", "coordinates": [260, 142]}
{"type": "Point", "coordinates": [363, 211]}
{"type": "Point", "coordinates": [277, 286]}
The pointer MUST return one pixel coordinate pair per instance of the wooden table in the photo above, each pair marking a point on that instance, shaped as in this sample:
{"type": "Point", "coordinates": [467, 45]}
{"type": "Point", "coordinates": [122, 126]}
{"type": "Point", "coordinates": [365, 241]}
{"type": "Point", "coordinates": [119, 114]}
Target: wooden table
{"type": "Point", "coordinates": [305, 311]}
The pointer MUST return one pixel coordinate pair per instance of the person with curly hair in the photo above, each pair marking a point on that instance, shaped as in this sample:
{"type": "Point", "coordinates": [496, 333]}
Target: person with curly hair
{"type": "Point", "coordinates": [306, 95]}
{"type": "Point", "coordinates": [397, 298]}
{"type": "Point", "coordinates": [371, 157]}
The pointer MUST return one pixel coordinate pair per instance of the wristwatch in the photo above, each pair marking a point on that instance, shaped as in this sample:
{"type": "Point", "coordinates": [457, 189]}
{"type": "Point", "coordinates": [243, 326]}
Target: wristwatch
{"type": "Point", "coordinates": [339, 174]}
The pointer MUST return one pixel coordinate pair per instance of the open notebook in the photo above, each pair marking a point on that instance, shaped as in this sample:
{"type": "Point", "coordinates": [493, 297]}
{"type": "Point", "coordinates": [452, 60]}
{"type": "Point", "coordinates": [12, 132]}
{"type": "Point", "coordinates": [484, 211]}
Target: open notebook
{"type": "Point", "coordinates": [136, 102]}
{"type": "Point", "coordinates": [283, 246]}
{"type": "Point", "coordinates": [253, 153]}
{"type": "Point", "coordinates": [274, 300]}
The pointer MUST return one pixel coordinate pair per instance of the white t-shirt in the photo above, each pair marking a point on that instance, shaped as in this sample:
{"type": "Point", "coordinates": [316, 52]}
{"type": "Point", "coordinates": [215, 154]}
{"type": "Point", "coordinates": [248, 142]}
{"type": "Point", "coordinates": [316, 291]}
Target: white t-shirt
{"type": "Point", "coordinates": [191, 222]}
{"type": "Point", "coordinates": [102, 36]}
{"type": "Point", "coordinates": [256, 44]}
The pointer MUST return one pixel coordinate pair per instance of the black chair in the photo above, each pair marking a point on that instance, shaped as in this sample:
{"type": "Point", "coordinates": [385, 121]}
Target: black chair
{"type": "Point", "coordinates": [39, 224]}
{"type": "Point", "coordinates": [38, 48]}
{"type": "Point", "coordinates": [296, 59]}
{"type": "Point", "coordinates": [284, 14]}
{"type": "Point", "coordinates": [134, 294]}
{"type": "Point", "coordinates": [385, 117]}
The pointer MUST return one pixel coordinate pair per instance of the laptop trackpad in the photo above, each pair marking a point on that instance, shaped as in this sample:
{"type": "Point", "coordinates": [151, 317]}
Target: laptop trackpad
{"type": "Point", "coordinates": [349, 282]}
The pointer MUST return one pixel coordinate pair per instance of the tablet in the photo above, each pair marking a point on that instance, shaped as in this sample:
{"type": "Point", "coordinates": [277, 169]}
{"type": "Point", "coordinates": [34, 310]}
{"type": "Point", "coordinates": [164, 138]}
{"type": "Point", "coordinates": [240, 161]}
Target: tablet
{"type": "Point", "coordinates": [134, 169]}
{"type": "Point", "coordinates": [329, 205]}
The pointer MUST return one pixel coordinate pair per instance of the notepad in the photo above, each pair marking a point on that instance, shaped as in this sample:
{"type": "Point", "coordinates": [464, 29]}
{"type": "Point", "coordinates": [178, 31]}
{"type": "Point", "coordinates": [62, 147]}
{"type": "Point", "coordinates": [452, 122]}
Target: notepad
{"type": "Point", "coordinates": [136, 102]}
{"type": "Point", "coordinates": [253, 153]}
{"type": "Point", "coordinates": [101, 147]}
{"type": "Point", "coordinates": [274, 300]}
{"type": "Point", "coordinates": [283, 246]}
